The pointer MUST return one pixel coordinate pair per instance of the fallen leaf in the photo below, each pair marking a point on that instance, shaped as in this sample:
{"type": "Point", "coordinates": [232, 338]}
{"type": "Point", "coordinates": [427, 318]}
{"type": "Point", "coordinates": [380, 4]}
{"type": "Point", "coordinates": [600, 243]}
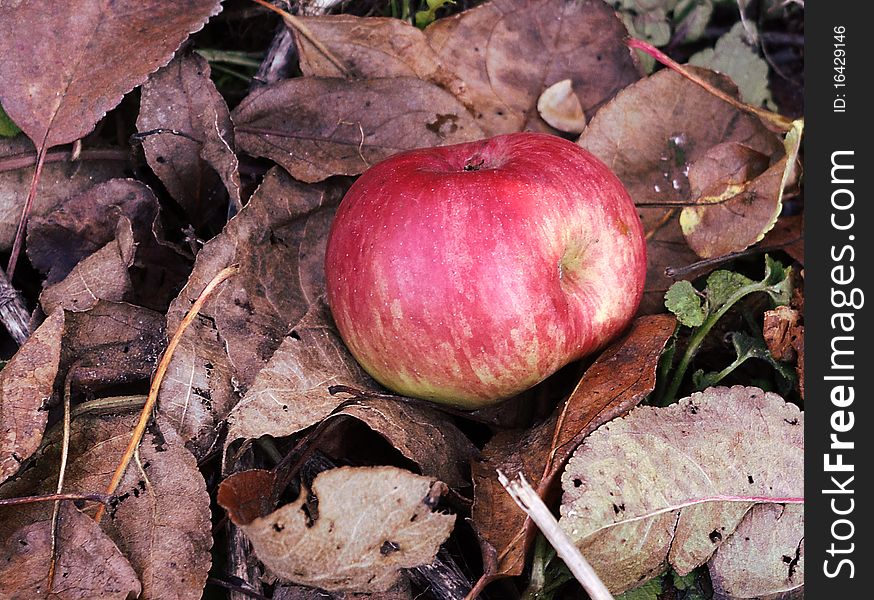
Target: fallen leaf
{"type": "Point", "coordinates": [66, 67]}
{"type": "Point", "coordinates": [27, 384]}
{"type": "Point", "coordinates": [426, 436]}
{"type": "Point", "coordinates": [61, 179]}
{"type": "Point", "coordinates": [399, 591]}
{"type": "Point", "coordinates": [764, 557]}
{"type": "Point", "coordinates": [197, 157]}
{"type": "Point", "coordinates": [788, 236]}
{"type": "Point", "coordinates": [318, 127]}
{"type": "Point", "coordinates": [649, 135]}
{"type": "Point", "coordinates": [371, 522]}
{"type": "Point", "coordinates": [670, 485]}
{"type": "Point", "coordinates": [89, 565]}
{"type": "Point", "coordinates": [737, 56]}
{"type": "Point", "coordinates": [373, 47]}
{"type": "Point", "coordinates": [160, 518]}
{"type": "Point", "coordinates": [560, 107]}
{"type": "Point", "coordinates": [278, 240]}
{"type": "Point", "coordinates": [619, 379]}
{"type": "Point", "coordinates": [509, 51]}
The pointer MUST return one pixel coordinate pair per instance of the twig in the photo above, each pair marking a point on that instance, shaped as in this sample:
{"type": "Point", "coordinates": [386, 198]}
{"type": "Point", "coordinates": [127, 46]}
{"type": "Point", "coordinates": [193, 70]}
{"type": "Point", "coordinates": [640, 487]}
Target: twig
{"type": "Point", "coordinates": [13, 313]}
{"type": "Point", "coordinates": [442, 578]}
{"type": "Point", "coordinates": [94, 497]}
{"type": "Point", "coordinates": [146, 413]}
{"type": "Point", "coordinates": [22, 161]}
{"type": "Point", "coordinates": [528, 500]}
{"type": "Point", "coordinates": [25, 212]}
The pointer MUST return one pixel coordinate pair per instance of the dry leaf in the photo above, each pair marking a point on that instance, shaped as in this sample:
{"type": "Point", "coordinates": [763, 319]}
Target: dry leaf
{"type": "Point", "coordinates": [160, 519]}
{"type": "Point", "coordinates": [278, 240]}
{"type": "Point", "coordinates": [650, 134]}
{"type": "Point", "coordinates": [318, 127]}
{"type": "Point", "coordinates": [182, 97]}
{"type": "Point", "coordinates": [371, 522]}
{"type": "Point", "coordinates": [787, 235]}
{"type": "Point", "coordinates": [764, 558]}
{"type": "Point", "coordinates": [620, 378]}
{"type": "Point", "coordinates": [26, 386]}
{"type": "Point", "coordinates": [509, 51]}
{"type": "Point", "coordinates": [61, 179]}
{"type": "Point", "coordinates": [670, 485]}
{"type": "Point", "coordinates": [89, 565]}
{"type": "Point", "coordinates": [64, 68]}
{"type": "Point", "coordinates": [560, 107]}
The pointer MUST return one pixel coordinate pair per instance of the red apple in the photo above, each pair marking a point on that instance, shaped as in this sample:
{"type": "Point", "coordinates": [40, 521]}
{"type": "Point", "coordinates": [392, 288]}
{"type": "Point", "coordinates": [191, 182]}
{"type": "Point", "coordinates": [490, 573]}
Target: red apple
{"type": "Point", "coordinates": [466, 274]}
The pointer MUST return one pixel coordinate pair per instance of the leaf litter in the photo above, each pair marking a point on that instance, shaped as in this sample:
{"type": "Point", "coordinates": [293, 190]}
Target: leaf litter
{"type": "Point", "coordinates": [262, 371]}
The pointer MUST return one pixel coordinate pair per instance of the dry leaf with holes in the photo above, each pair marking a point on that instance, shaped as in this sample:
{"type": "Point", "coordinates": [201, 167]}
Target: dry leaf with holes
{"type": "Point", "coordinates": [371, 522]}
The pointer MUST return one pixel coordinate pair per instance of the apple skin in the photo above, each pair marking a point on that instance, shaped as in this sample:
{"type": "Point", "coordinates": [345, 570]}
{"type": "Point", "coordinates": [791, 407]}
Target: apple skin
{"type": "Point", "coordinates": [466, 274]}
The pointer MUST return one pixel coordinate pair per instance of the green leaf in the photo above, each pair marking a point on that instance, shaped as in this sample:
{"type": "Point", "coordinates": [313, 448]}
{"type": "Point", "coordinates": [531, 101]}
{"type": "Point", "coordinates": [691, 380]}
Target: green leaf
{"type": "Point", "coordinates": [745, 347]}
{"type": "Point", "coordinates": [778, 281]}
{"type": "Point", "coordinates": [648, 591]}
{"type": "Point", "coordinates": [426, 17]}
{"type": "Point", "coordinates": [7, 127]}
{"type": "Point", "coordinates": [683, 582]}
{"type": "Point", "coordinates": [683, 300]}
{"type": "Point", "coordinates": [722, 285]}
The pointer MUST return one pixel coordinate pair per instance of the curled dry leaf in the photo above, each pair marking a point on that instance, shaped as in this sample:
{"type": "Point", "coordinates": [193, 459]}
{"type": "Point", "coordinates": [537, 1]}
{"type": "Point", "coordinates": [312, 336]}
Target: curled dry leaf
{"type": "Point", "coordinates": [56, 81]}
{"type": "Point", "coordinates": [737, 199]}
{"type": "Point", "coordinates": [672, 485]}
{"type": "Point", "coordinates": [619, 379]}
{"type": "Point", "coordinates": [27, 383]}
{"type": "Point", "coordinates": [89, 565]}
{"type": "Point", "coordinates": [278, 240]}
{"type": "Point", "coordinates": [508, 51]}
{"type": "Point", "coordinates": [61, 179]}
{"type": "Point", "coordinates": [650, 134]}
{"type": "Point", "coordinates": [182, 97]}
{"type": "Point", "coordinates": [318, 127]}
{"type": "Point", "coordinates": [371, 522]}
{"type": "Point", "coordinates": [160, 518]}
{"type": "Point", "coordinates": [787, 235]}
{"type": "Point", "coordinates": [560, 107]}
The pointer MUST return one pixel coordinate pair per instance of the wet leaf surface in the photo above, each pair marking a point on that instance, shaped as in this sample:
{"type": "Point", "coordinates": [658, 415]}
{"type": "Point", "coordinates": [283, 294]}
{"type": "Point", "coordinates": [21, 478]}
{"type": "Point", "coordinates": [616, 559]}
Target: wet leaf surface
{"type": "Point", "coordinates": [670, 485]}
{"type": "Point", "coordinates": [371, 522]}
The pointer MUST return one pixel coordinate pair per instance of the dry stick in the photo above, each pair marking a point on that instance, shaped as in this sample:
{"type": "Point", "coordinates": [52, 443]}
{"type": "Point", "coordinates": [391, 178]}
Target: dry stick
{"type": "Point", "coordinates": [22, 161]}
{"type": "Point", "coordinates": [146, 413]}
{"type": "Point", "coordinates": [94, 497]}
{"type": "Point", "coordinates": [13, 313]}
{"type": "Point", "coordinates": [528, 500]}
{"type": "Point", "coordinates": [298, 25]}
{"type": "Point", "coordinates": [775, 119]}
{"type": "Point", "coordinates": [28, 204]}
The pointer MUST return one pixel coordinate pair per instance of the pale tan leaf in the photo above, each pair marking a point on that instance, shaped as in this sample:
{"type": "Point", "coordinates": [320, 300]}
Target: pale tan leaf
{"type": "Point", "coordinates": [559, 106]}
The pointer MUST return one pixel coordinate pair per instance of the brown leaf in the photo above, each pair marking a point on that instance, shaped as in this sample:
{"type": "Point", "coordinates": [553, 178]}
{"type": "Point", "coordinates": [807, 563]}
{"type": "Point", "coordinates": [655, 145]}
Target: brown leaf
{"type": "Point", "coordinates": [371, 522]}
{"type": "Point", "coordinates": [787, 235]}
{"type": "Point", "coordinates": [64, 68]}
{"type": "Point", "coordinates": [374, 47]}
{"type": "Point", "coordinates": [619, 379]}
{"type": "Point", "coordinates": [89, 565]}
{"type": "Point", "coordinates": [670, 485]}
{"type": "Point", "coordinates": [182, 97]}
{"type": "Point", "coordinates": [319, 127]}
{"type": "Point", "coordinates": [160, 520]}
{"type": "Point", "coordinates": [650, 134]}
{"type": "Point", "coordinates": [278, 239]}
{"type": "Point", "coordinates": [26, 385]}
{"type": "Point", "coordinates": [737, 200]}
{"type": "Point", "coordinates": [425, 436]}
{"type": "Point", "coordinates": [399, 591]}
{"type": "Point", "coordinates": [61, 179]}
{"type": "Point", "coordinates": [509, 51]}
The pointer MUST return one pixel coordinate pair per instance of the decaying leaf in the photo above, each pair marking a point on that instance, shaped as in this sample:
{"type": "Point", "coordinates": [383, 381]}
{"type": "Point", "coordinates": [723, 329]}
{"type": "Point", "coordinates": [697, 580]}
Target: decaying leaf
{"type": "Point", "coordinates": [560, 107]}
{"type": "Point", "coordinates": [650, 134]}
{"type": "Point", "coordinates": [181, 97]}
{"type": "Point", "coordinates": [89, 565]}
{"type": "Point", "coordinates": [671, 485]}
{"type": "Point", "coordinates": [59, 87]}
{"type": "Point", "coordinates": [26, 385]}
{"type": "Point", "coordinates": [278, 240]}
{"type": "Point", "coordinates": [371, 522]}
{"type": "Point", "coordinates": [619, 379]}
{"type": "Point", "coordinates": [61, 179]}
{"type": "Point", "coordinates": [735, 54]}
{"type": "Point", "coordinates": [508, 51]}
{"type": "Point", "coordinates": [160, 520]}
{"type": "Point", "coordinates": [317, 127]}
{"type": "Point", "coordinates": [787, 235]}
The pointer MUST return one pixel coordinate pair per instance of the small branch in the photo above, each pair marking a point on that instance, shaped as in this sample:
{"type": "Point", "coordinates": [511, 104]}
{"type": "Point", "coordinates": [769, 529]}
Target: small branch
{"type": "Point", "coordinates": [94, 497]}
{"type": "Point", "coordinates": [22, 161]}
{"type": "Point", "coordinates": [25, 212]}
{"type": "Point", "coordinates": [13, 313]}
{"type": "Point", "coordinates": [528, 500]}
{"type": "Point", "coordinates": [146, 413]}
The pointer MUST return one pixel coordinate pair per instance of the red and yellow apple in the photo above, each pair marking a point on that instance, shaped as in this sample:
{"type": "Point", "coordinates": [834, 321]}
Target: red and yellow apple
{"type": "Point", "coordinates": [466, 274]}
